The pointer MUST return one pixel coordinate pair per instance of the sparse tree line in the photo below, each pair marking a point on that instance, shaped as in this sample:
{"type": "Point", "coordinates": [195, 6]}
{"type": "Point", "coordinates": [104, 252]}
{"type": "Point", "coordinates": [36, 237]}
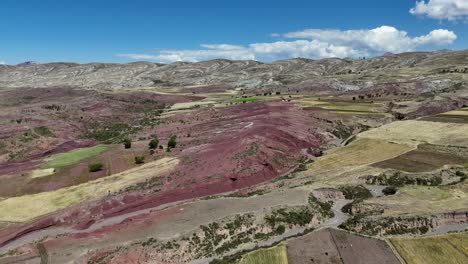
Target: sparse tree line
{"type": "Point", "coordinates": [152, 145]}
{"type": "Point", "coordinates": [465, 70]}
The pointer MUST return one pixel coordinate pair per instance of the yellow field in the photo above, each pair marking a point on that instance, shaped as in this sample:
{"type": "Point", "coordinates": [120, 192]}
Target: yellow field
{"type": "Point", "coordinates": [360, 152]}
{"type": "Point", "coordinates": [274, 255]}
{"type": "Point", "coordinates": [27, 207]}
{"type": "Point", "coordinates": [180, 106]}
{"type": "Point", "coordinates": [414, 132]}
{"type": "Point", "coordinates": [425, 199]}
{"type": "Point", "coordinates": [447, 249]}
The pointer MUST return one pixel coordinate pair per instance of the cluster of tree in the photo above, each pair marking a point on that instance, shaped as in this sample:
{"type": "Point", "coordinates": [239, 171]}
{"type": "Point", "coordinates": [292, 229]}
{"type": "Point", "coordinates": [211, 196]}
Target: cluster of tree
{"type": "Point", "coordinates": [465, 70]}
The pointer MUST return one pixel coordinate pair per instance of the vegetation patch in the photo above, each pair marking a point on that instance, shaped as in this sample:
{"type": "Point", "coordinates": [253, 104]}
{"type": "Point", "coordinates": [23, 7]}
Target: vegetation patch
{"type": "Point", "coordinates": [357, 192]}
{"type": "Point", "coordinates": [109, 133]}
{"type": "Point", "coordinates": [397, 179]}
{"type": "Point", "coordinates": [75, 156]}
{"type": "Point", "coordinates": [372, 226]}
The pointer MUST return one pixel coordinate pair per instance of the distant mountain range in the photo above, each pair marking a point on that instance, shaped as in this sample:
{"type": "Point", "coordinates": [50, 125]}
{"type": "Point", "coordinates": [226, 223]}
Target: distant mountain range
{"type": "Point", "coordinates": [247, 74]}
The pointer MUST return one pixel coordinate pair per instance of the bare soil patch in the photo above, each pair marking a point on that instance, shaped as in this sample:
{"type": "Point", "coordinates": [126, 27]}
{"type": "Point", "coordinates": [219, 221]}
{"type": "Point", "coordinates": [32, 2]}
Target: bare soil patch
{"type": "Point", "coordinates": [336, 246]}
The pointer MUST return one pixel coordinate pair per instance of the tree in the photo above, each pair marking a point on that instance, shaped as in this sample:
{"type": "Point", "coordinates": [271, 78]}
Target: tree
{"type": "Point", "coordinates": [154, 143]}
{"type": "Point", "coordinates": [139, 159]}
{"type": "Point", "coordinates": [95, 167]}
{"type": "Point", "coordinates": [127, 143]}
{"type": "Point", "coordinates": [390, 190]}
{"type": "Point", "coordinates": [172, 141]}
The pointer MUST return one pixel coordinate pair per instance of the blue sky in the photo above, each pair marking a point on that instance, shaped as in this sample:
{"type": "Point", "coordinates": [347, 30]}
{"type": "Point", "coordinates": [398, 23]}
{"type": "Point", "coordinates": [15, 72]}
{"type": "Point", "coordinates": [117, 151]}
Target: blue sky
{"type": "Point", "coordinates": [165, 31]}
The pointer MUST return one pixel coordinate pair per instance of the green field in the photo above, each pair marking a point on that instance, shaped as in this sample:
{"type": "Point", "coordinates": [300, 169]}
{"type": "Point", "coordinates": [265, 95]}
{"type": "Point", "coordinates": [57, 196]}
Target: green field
{"type": "Point", "coordinates": [447, 249]}
{"type": "Point", "coordinates": [247, 100]}
{"type": "Point", "coordinates": [274, 255]}
{"type": "Point", "coordinates": [75, 156]}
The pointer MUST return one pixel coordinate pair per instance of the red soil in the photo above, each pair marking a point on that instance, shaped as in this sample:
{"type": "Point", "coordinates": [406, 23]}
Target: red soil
{"type": "Point", "coordinates": [228, 149]}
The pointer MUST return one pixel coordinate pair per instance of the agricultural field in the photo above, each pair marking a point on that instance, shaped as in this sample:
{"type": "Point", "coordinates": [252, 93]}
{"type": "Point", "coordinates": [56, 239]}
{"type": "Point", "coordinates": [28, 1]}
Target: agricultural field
{"type": "Point", "coordinates": [425, 200]}
{"type": "Point", "coordinates": [65, 159]}
{"type": "Point", "coordinates": [451, 248]}
{"type": "Point", "coordinates": [274, 255]}
{"type": "Point", "coordinates": [324, 246]}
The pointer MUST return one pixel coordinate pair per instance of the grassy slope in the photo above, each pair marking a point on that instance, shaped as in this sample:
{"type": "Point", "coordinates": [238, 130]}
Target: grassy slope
{"type": "Point", "coordinates": [274, 255]}
{"type": "Point", "coordinates": [452, 248]}
{"type": "Point", "coordinates": [27, 207]}
{"type": "Point", "coordinates": [75, 156]}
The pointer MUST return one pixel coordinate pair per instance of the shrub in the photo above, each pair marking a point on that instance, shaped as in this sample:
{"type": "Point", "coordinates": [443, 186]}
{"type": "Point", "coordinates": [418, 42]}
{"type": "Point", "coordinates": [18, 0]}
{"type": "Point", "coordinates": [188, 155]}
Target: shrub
{"type": "Point", "coordinates": [95, 167]}
{"type": "Point", "coordinates": [280, 230]}
{"type": "Point", "coordinates": [172, 141]}
{"type": "Point", "coordinates": [161, 147]}
{"type": "Point", "coordinates": [460, 173]}
{"type": "Point", "coordinates": [390, 190]}
{"type": "Point", "coordinates": [154, 143]}
{"type": "Point", "coordinates": [358, 192]}
{"type": "Point", "coordinates": [127, 143]}
{"type": "Point", "coordinates": [139, 159]}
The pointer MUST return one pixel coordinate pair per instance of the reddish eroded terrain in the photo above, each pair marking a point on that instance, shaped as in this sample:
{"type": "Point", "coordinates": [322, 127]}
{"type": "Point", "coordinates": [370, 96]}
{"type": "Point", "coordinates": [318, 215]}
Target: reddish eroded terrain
{"type": "Point", "coordinates": [220, 150]}
{"type": "Point", "coordinates": [69, 115]}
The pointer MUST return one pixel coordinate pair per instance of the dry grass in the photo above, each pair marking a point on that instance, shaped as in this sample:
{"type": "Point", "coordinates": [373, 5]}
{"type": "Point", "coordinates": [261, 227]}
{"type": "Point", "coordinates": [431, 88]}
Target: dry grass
{"type": "Point", "coordinates": [42, 172]}
{"type": "Point", "coordinates": [447, 249]}
{"type": "Point", "coordinates": [274, 255]}
{"type": "Point", "coordinates": [189, 105]}
{"type": "Point", "coordinates": [363, 151]}
{"type": "Point", "coordinates": [413, 132]}
{"type": "Point", "coordinates": [27, 207]}
{"type": "Point", "coordinates": [425, 199]}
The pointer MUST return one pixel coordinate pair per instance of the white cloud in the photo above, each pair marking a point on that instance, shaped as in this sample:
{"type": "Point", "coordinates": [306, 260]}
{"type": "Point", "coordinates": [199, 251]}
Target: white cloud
{"type": "Point", "coordinates": [2, 62]}
{"type": "Point", "coordinates": [211, 51]}
{"type": "Point", "coordinates": [442, 9]}
{"type": "Point", "coordinates": [438, 37]}
{"type": "Point", "coordinates": [377, 40]}
{"type": "Point", "coordinates": [312, 43]}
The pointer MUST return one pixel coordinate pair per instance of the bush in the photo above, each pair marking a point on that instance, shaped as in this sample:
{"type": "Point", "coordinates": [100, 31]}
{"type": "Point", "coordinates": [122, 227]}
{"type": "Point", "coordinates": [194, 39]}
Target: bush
{"type": "Point", "coordinates": [161, 147]}
{"type": "Point", "coordinates": [280, 230]}
{"type": "Point", "coordinates": [460, 173]}
{"type": "Point", "coordinates": [127, 143]}
{"type": "Point", "coordinates": [139, 159]}
{"type": "Point", "coordinates": [358, 192]}
{"type": "Point", "coordinates": [154, 143]}
{"type": "Point", "coordinates": [390, 190]}
{"type": "Point", "coordinates": [172, 141]}
{"type": "Point", "coordinates": [95, 167]}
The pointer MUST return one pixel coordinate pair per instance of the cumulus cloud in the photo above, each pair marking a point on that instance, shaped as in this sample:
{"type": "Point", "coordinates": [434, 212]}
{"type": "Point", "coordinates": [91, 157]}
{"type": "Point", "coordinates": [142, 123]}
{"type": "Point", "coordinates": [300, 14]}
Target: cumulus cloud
{"type": "Point", "coordinates": [2, 62]}
{"type": "Point", "coordinates": [377, 40]}
{"type": "Point", "coordinates": [442, 9]}
{"type": "Point", "coordinates": [312, 43]}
